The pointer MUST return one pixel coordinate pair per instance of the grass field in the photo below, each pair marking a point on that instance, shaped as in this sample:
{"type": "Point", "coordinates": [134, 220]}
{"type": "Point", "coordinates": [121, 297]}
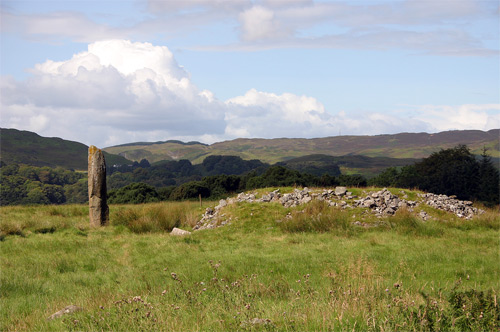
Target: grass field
{"type": "Point", "coordinates": [264, 272]}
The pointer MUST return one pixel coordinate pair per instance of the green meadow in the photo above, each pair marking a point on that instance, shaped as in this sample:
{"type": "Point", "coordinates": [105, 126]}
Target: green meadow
{"type": "Point", "coordinates": [311, 271]}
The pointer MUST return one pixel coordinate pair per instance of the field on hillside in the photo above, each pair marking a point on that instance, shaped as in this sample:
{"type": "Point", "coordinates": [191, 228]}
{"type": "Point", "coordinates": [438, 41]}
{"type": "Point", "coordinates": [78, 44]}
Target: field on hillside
{"type": "Point", "coordinates": [312, 270]}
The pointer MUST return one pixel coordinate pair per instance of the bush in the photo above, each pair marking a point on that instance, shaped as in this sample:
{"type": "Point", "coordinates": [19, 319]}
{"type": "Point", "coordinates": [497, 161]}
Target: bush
{"type": "Point", "coordinates": [134, 193]}
{"type": "Point", "coordinates": [190, 190]}
{"type": "Point", "coordinates": [474, 310]}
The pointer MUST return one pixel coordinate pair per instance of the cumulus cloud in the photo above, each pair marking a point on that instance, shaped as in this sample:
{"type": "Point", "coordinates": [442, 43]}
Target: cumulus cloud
{"type": "Point", "coordinates": [119, 92]}
{"type": "Point", "coordinates": [262, 114]}
{"type": "Point", "coordinates": [117, 85]}
{"type": "Point", "coordinates": [461, 117]}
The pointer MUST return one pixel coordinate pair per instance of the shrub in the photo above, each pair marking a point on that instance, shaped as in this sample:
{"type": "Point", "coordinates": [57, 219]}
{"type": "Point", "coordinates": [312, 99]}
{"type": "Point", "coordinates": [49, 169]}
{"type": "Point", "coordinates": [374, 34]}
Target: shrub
{"type": "Point", "coordinates": [474, 310]}
{"type": "Point", "coordinates": [134, 193]}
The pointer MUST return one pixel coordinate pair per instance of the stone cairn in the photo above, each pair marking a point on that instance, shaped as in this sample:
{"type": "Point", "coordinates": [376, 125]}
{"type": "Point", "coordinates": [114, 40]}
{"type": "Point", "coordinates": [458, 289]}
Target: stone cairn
{"type": "Point", "coordinates": [382, 203]}
{"type": "Point", "coordinates": [462, 209]}
{"type": "Point", "coordinates": [98, 207]}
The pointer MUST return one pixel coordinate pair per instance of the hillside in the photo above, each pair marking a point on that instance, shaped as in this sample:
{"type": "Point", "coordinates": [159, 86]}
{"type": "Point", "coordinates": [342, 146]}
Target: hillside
{"type": "Point", "coordinates": [404, 145]}
{"type": "Point", "coordinates": [25, 147]}
{"type": "Point", "coordinates": [319, 164]}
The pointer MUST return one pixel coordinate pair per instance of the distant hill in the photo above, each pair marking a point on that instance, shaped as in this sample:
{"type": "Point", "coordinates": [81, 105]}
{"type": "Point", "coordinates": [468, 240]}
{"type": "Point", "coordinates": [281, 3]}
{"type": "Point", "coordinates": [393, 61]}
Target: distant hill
{"type": "Point", "coordinates": [25, 147]}
{"type": "Point", "coordinates": [404, 145]}
{"type": "Point", "coordinates": [319, 164]}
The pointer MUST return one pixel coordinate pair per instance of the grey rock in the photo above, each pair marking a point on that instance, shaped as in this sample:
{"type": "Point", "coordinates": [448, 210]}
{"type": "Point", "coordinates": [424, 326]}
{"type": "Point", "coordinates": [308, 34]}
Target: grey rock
{"type": "Point", "coordinates": [340, 191]}
{"type": "Point", "coordinates": [98, 206]}
{"type": "Point", "coordinates": [369, 203]}
{"type": "Point", "coordinates": [179, 232]}
{"type": "Point", "coordinates": [67, 310]}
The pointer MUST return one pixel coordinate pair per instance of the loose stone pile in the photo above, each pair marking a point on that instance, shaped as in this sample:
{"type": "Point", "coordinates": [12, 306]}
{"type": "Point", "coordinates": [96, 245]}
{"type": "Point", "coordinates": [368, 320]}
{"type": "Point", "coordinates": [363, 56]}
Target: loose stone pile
{"type": "Point", "coordinates": [462, 209]}
{"type": "Point", "coordinates": [382, 202]}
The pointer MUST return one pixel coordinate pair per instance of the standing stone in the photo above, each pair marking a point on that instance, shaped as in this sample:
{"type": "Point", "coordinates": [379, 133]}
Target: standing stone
{"type": "Point", "coordinates": [98, 207]}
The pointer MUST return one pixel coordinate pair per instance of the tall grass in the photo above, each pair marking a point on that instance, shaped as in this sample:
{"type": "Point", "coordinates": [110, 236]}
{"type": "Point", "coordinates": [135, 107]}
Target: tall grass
{"type": "Point", "coordinates": [23, 220]}
{"type": "Point", "coordinates": [316, 216]}
{"type": "Point", "coordinates": [257, 274]}
{"type": "Point", "coordinates": [159, 217]}
{"type": "Point", "coordinates": [406, 222]}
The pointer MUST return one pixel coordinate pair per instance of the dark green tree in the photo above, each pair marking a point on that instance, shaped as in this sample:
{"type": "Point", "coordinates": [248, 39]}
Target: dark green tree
{"type": "Point", "coordinates": [135, 193]}
{"type": "Point", "coordinates": [190, 190]}
{"type": "Point", "coordinates": [489, 181]}
{"type": "Point", "coordinates": [388, 178]}
{"type": "Point", "coordinates": [452, 171]}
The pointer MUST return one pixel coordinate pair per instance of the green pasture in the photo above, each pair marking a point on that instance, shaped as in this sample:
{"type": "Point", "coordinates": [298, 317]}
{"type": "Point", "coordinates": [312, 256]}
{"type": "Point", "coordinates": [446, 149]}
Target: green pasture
{"type": "Point", "coordinates": [311, 271]}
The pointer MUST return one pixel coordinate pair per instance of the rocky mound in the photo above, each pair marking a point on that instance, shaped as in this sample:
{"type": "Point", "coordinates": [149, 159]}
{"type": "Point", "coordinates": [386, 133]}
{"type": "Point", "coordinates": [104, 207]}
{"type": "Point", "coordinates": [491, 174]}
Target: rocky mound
{"type": "Point", "coordinates": [382, 203]}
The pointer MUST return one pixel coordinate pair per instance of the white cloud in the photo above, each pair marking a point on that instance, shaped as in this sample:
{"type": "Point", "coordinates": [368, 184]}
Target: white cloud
{"type": "Point", "coordinates": [262, 114]}
{"type": "Point", "coordinates": [461, 117]}
{"type": "Point", "coordinates": [116, 85]}
{"type": "Point", "coordinates": [259, 23]}
{"type": "Point", "coordinates": [120, 92]}
{"type": "Point", "coordinates": [447, 28]}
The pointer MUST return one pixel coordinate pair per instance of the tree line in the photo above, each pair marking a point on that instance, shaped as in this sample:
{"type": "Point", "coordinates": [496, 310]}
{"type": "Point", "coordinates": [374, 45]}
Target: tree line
{"type": "Point", "coordinates": [24, 185]}
{"type": "Point", "coordinates": [219, 186]}
{"type": "Point", "coordinates": [452, 172]}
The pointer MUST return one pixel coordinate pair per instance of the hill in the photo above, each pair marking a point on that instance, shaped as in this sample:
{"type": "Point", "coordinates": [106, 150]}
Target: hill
{"type": "Point", "coordinates": [319, 164]}
{"type": "Point", "coordinates": [25, 147]}
{"type": "Point", "coordinates": [404, 145]}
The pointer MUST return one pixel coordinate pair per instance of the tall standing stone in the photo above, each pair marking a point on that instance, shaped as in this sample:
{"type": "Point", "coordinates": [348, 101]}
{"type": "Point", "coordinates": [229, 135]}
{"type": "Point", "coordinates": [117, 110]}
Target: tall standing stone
{"type": "Point", "coordinates": [98, 206]}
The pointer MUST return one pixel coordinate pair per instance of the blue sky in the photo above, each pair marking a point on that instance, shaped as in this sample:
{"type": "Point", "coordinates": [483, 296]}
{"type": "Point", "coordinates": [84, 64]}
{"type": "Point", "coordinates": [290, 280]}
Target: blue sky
{"type": "Point", "coordinates": [111, 72]}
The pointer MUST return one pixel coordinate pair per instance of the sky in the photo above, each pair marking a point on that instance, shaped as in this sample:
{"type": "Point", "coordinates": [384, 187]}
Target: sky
{"type": "Point", "coordinates": [116, 71]}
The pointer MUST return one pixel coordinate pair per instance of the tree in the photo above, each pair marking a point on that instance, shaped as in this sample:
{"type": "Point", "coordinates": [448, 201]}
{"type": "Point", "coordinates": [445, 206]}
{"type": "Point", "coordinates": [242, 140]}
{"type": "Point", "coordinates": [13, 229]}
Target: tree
{"type": "Point", "coordinates": [387, 178]}
{"type": "Point", "coordinates": [144, 163]}
{"type": "Point", "coordinates": [134, 193]}
{"type": "Point", "coordinates": [354, 180]}
{"type": "Point", "coordinates": [489, 181]}
{"type": "Point", "coordinates": [452, 171]}
{"type": "Point", "coordinates": [407, 177]}
{"type": "Point", "coordinates": [190, 190]}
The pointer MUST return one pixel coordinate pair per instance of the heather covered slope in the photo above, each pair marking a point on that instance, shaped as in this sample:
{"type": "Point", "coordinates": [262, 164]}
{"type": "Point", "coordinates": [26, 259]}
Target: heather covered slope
{"type": "Point", "coordinates": [24, 147]}
{"type": "Point", "coordinates": [404, 145]}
